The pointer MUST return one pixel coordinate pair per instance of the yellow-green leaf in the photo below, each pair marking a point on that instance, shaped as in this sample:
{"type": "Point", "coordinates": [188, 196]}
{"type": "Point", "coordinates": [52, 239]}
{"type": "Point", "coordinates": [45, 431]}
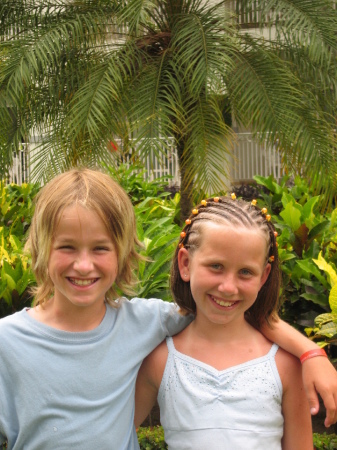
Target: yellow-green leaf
{"type": "Point", "coordinates": [333, 299]}
{"type": "Point", "coordinates": [323, 265]}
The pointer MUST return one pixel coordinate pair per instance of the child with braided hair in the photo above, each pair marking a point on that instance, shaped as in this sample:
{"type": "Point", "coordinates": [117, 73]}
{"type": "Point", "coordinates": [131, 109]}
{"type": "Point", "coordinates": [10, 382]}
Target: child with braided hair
{"type": "Point", "coordinates": [220, 383]}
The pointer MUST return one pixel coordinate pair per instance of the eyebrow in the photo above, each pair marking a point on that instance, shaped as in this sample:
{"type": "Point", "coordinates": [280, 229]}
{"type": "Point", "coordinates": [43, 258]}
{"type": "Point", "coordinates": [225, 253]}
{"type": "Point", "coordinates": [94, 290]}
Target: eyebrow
{"type": "Point", "coordinates": [72, 240]}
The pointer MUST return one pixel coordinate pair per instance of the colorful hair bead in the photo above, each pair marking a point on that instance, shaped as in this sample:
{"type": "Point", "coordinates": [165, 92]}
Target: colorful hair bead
{"type": "Point", "coordinates": [233, 196]}
{"type": "Point", "coordinates": [216, 199]}
{"type": "Point", "coordinates": [181, 245]}
{"type": "Point", "coordinates": [275, 233]}
{"type": "Point", "coordinates": [188, 221]}
{"type": "Point", "coordinates": [268, 217]}
{"type": "Point", "coordinates": [264, 210]}
{"type": "Point", "coordinates": [271, 258]}
{"type": "Point", "coordinates": [195, 211]}
{"type": "Point", "coordinates": [182, 234]}
{"type": "Point", "coordinates": [253, 202]}
{"type": "Point", "coordinates": [203, 202]}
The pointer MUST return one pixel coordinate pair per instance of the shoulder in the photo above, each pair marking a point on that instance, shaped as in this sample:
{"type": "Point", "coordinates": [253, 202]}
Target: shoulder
{"type": "Point", "coordinates": [13, 321]}
{"type": "Point", "coordinates": [165, 314]}
{"type": "Point", "coordinates": [154, 364]}
{"type": "Point", "coordinates": [289, 368]}
{"type": "Point", "coordinates": [147, 309]}
{"type": "Point", "coordinates": [148, 305]}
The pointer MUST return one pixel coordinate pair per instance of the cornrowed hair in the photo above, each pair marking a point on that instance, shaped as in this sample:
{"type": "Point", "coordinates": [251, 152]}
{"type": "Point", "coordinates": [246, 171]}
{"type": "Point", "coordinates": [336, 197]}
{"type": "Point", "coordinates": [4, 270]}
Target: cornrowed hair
{"type": "Point", "coordinates": [233, 213]}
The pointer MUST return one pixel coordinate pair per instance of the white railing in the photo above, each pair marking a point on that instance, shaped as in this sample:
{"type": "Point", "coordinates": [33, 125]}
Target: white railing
{"type": "Point", "coordinates": [19, 172]}
{"type": "Point", "coordinates": [250, 158]}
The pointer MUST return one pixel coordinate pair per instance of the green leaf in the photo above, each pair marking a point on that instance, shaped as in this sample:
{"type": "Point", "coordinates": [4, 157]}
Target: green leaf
{"type": "Point", "coordinates": [329, 330]}
{"type": "Point", "coordinates": [291, 215]}
{"type": "Point", "coordinates": [310, 268]}
{"type": "Point", "coordinates": [307, 212]}
{"type": "Point", "coordinates": [323, 265]}
{"type": "Point", "coordinates": [318, 229]}
{"type": "Point", "coordinates": [333, 299]}
{"type": "Point", "coordinates": [325, 318]}
{"type": "Point", "coordinates": [321, 300]}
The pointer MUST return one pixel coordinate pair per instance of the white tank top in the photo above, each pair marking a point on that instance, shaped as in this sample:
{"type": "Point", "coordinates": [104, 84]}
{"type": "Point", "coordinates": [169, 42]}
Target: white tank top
{"type": "Point", "coordinates": [202, 408]}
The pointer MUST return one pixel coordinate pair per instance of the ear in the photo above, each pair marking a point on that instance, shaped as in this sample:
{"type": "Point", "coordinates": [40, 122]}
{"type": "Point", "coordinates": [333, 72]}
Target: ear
{"type": "Point", "coordinates": [184, 264]}
{"type": "Point", "coordinates": [265, 274]}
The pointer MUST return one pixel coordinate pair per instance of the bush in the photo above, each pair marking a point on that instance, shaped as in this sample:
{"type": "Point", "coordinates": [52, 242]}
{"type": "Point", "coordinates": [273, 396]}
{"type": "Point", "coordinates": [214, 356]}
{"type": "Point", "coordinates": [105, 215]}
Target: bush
{"type": "Point", "coordinates": [307, 232]}
{"type": "Point", "coordinates": [325, 441]}
{"type": "Point", "coordinates": [151, 438]}
{"type": "Point", "coordinates": [16, 211]}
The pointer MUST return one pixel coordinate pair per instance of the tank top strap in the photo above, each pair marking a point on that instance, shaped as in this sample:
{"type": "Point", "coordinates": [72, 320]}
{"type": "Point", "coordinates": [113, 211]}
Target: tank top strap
{"type": "Point", "coordinates": [272, 352]}
{"type": "Point", "coordinates": [170, 345]}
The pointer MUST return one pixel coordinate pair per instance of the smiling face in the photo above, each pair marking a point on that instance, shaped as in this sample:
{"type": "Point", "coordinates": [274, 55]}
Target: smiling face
{"type": "Point", "coordinates": [83, 261]}
{"type": "Point", "coordinates": [226, 272]}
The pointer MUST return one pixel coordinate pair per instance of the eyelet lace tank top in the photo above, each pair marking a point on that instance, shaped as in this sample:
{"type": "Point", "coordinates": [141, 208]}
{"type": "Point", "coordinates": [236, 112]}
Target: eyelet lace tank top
{"type": "Point", "coordinates": [202, 408]}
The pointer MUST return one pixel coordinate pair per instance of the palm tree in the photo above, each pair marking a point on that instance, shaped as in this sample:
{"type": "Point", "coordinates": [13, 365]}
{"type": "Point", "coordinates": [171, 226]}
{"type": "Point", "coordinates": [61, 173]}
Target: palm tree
{"type": "Point", "coordinates": [85, 73]}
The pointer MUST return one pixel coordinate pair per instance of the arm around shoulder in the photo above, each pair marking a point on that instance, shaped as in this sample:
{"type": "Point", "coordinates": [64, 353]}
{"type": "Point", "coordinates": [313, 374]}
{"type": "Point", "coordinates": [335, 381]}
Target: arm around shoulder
{"type": "Point", "coordinates": [319, 375]}
{"type": "Point", "coordinates": [148, 382]}
{"type": "Point", "coordinates": [297, 434]}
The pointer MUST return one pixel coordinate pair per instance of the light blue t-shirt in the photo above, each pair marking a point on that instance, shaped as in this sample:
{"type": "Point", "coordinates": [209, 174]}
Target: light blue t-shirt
{"type": "Point", "coordinates": [75, 390]}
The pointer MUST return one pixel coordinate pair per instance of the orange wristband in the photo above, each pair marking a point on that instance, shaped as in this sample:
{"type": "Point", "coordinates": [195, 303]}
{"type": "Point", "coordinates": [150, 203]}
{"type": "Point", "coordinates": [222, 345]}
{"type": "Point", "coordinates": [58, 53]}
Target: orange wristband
{"type": "Point", "coordinates": [312, 354]}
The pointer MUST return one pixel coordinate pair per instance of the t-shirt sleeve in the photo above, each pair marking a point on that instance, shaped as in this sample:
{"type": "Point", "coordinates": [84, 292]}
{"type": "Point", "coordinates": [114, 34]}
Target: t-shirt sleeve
{"type": "Point", "coordinates": [172, 322]}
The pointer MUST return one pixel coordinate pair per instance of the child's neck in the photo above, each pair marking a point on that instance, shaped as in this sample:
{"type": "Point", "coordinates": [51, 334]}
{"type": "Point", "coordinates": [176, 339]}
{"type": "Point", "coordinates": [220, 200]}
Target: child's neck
{"type": "Point", "coordinates": [80, 320]}
{"type": "Point", "coordinates": [213, 332]}
{"type": "Point", "coordinates": [222, 346]}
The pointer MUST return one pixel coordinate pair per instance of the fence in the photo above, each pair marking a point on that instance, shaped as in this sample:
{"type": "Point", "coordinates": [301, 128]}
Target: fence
{"type": "Point", "coordinates": [19, 172]}
{"type": "Point", "coordinates": [249, 158]}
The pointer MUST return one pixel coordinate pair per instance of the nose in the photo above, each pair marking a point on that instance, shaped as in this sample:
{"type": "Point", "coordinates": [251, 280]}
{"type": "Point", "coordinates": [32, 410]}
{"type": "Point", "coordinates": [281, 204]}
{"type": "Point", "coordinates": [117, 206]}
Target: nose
{"type": "Point", "coordinates": [228, 285]}
{"type": "Point", "coordinates": [83, 263]}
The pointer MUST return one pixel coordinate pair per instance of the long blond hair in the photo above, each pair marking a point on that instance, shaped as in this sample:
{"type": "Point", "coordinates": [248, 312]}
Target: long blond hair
{"type": "Point", "coordinates": [97, 192]}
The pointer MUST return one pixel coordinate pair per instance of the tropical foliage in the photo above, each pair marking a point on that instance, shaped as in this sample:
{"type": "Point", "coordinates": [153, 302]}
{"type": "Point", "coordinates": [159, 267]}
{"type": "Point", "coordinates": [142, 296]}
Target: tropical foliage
{"type": "Point", "coordinates": [325, 325]}
{"type": "Point", "coordinates": [307, 247]}
{"type": "Point", "coordinates": [89, 77]}
{"type": "Point", "coordinates": [16, 211]}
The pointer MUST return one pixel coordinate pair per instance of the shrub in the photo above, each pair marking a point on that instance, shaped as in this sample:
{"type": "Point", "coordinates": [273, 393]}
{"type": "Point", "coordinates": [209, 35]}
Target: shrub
{"type": "Point", "coordinates": [325, 441]}
{"type": "Point", "coordinates": [151, 438]}
{"type": "Point", "coordinates": [16, 211]}
{"type": "Point", "coordinates": [305, 232]}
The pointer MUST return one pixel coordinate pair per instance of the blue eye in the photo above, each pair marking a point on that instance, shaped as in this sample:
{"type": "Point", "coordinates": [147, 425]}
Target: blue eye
{"type": "Point", "coordinates": [245, 272]}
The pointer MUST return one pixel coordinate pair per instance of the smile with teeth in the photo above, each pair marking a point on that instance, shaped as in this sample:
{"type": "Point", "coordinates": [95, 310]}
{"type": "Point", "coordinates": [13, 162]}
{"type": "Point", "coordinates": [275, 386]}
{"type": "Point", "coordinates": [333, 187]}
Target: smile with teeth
{"type": "Point", "coordinates": [81, 282]}
{"type": "Point", "coordinates": [222, 302]}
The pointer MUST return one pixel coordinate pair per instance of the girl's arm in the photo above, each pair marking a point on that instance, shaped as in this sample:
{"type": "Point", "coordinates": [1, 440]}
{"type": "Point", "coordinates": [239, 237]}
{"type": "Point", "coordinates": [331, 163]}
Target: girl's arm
{"type": "Point", "coordinates": [148, 382]}
{"type": "Point", "coordinates": [297, 432]}
{"type": "Point", "coordinates": [319, 375]}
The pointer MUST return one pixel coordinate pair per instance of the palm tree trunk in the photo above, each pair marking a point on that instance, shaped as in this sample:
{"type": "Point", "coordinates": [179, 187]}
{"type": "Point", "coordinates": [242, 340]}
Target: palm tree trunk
{"type": "Point", "coordinates": [186, 187]}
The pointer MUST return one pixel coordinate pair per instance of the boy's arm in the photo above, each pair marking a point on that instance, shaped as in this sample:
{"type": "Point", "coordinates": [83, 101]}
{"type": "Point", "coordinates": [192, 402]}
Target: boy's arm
{"type": "Point", "coordinates": [297, 433]}
{"type": "Point", "coordinates": [146, 394]}
{"type": "Point", "coordinates": [148, 382]}
{"type": "Point", "coordinates": [319, 375]}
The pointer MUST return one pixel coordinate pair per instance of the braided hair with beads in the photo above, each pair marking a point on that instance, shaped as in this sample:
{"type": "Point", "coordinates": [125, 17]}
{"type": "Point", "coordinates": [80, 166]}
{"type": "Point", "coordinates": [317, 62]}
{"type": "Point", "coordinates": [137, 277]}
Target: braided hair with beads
{"type": "Point", "coordinates": [230, 212]}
